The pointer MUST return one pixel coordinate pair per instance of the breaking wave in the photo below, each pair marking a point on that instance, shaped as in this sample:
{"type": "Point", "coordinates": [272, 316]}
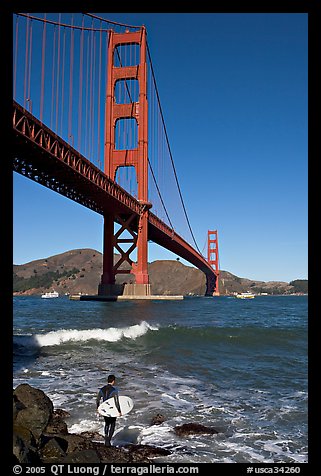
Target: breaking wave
{"type": "Point", "coordinates": [53, 338]}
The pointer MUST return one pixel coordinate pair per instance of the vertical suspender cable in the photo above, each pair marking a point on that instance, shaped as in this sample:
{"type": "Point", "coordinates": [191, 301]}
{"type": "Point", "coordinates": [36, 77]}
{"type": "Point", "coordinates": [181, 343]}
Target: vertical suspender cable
{"type": "Point", "coordinates": [53, 77]}
{"type": "Point", "coordinates": [81, 62]}
{"type": "Point", "coordinates": [58, 72]}
{"type": "Point", "coordinates": [159, 144]}
{"type": "Point", "coordinates": [56, 93]}
{"type": "Point", "coordinates": [90, 43]}
{"type": "Point", "coordinates": [15, 58]}
{"type": "Point", "coordinates": [108, 45]}
{"type": "Point", "coordinates": [127, 49]}
{"type": "Point", "coordinates": [29, 68]}
{"type": "Point", "coordinates": [26, 65]}
{"type": "Point", "coordinates": [86, 96]}
{"type": "Point", "coordinates": [43, 59]}
{"type": "Point", "coordinates": [94, 99]}
{"type": "Point", "coordinates": [70, 80]}
{"type": "Point", "coordinates": [92, 92]}
{"type": "Point", "coordinates": [98, 106]}
{"type": "Point", "coordinates": [63, 80]}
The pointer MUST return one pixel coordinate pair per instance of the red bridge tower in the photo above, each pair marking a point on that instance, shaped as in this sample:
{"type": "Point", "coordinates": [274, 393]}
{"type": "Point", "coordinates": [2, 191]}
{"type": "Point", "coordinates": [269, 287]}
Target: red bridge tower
{"type": "Point", "coordinates": [136, 157]}
{"type": "Point", "coordinates": [212, 256]}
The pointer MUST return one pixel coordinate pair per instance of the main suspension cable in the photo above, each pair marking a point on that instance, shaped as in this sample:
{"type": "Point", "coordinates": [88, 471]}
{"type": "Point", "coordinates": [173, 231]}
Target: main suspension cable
{"type": "Point", "coordinates": [109, 21]}
{"type": "Point", "coordinates": [170, 152]}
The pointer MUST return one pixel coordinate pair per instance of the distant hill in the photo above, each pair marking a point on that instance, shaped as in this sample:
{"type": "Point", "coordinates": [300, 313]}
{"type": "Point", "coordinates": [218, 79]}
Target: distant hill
{"type": "Point", "coordinates": [79, 271]}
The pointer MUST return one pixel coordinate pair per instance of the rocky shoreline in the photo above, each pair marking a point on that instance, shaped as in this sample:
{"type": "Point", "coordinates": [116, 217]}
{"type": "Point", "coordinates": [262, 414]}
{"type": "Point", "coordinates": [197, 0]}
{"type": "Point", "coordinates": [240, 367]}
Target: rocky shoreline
{"type": "Point", "coordinates": [40, 435]}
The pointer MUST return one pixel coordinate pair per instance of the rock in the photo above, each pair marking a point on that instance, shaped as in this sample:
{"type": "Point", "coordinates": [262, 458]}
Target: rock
{"type": "Point", "coordinates": [25, 435]}
{"type": "Point", "coordinates": [147, 451]}
{"type": "Point", "coordinates": [157, 420]}
{"type": "Point", "coordinates": [84, 456]}
{"type": "Point", "coordinates": [188, 429]}
{"type": "Point", "coordinates": [56, 425]}
{"type": "Point", "coordinates": [76, 443]}
{"type": "Point", "coordinates": [52, 451]}
{"type": "Point", "coordinates": [92, 435]}
{"type": "Point", "coordinates": [111, 454]}
{"type": "Point", "coordinates": [17, 406]}
{"type": "Point", "coordinates": [24, 453]}
{"type": "Point", "coordinates": [34, 409]}
{"type": "Point", "coordinates": [61, 413]}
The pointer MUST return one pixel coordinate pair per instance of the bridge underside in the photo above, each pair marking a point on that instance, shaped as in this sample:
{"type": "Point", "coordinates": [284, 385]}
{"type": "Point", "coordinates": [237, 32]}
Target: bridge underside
{"type": "Point", "coordinates": [42, 156]}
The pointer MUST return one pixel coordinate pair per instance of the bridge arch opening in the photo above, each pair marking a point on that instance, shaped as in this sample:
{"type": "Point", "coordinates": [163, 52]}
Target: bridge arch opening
{"type": "Point", "coordinates": [126, 177]}
{"type": "Point", "coordinates": [126, 134]}
{"type": "Point", "coordinates": [126, 91]}
{"type": "Point", "coordinates": [126, 54]}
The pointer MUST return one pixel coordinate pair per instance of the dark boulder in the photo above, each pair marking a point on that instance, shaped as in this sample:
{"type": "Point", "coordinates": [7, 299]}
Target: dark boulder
{"type": "Point", "coordinates": [147, 451]}
{"type": "Point", "coordinates": [33, 409]}
{"type": "Point", "coordinates": [52, 450]}
{"type": "Point", "coordinates": [25, 434]}
{"type": "Point", "coordinates": [61, 413]}
{"type": "Point", "coordinates": [56, 425]}
{"type": "Point", "coordinates": [112, 454]}
{"type": "Point", "coordinates": [83, 456]}
{"type": "Point", "coordinates": [24, 453]}
{"type": "Point", "coordinates": [92, 435]}
{"type": "Point", "coordinates": [17, 406]}
{"type": "Point", "coordinates": [57, 448]}
{"type": "Point", "coordinates": [157, 419]}
{"type": "Point", "coordinates": [77, 443]}
{"type": "Point", "coordinates": [188, 429]}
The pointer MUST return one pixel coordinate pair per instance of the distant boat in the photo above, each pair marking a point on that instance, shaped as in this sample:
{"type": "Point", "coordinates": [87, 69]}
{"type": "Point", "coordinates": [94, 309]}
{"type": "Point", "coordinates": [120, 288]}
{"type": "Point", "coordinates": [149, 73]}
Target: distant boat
{"type": "Point", "coordinates": [52, 294]}
{"type": "Point", "coordinates": [247, 295]}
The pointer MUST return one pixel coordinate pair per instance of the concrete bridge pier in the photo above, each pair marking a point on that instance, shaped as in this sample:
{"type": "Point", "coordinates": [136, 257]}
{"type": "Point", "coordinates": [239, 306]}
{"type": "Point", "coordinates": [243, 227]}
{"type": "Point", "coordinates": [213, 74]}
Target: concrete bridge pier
{"type": "Point", "coordinates": [132, 290]}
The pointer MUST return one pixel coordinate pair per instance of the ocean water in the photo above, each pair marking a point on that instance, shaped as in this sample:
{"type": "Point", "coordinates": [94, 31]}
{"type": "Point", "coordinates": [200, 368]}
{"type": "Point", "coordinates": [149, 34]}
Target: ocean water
{"type": "Point", "coordinates": [239, 366]}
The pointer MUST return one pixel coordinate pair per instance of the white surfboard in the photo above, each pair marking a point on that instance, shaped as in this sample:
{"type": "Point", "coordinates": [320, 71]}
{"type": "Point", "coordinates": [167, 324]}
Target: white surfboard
{"type": "Point", "coordinates": [108, 407]}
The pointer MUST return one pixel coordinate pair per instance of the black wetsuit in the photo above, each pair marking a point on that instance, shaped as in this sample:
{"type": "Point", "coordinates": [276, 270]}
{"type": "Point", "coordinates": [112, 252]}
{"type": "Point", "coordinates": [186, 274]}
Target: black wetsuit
{"type": "Point", "coordinates": [108, 391]}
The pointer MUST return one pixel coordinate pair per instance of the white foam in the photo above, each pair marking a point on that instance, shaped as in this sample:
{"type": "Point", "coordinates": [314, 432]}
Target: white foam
{"type": "Point", "coordinates": [87, 425]}
{"type": "Point", "coordinates": [156, 433]}
{"type": "Point", "coordinates": [59, 400]}
{"type": "Point", "coordinates": [177, 401]}
{"type": "Point", "coordinates": [244, 451]}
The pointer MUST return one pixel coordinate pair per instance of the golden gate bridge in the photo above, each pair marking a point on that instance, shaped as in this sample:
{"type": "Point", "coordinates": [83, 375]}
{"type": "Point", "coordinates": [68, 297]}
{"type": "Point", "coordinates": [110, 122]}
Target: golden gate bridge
{"type": "Point", "coordinates": [88, 124]}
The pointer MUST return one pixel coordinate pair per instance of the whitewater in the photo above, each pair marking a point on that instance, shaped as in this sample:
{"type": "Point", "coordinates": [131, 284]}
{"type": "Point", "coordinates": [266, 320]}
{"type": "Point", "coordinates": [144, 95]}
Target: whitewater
{"type": "Point", "coordinates": [112, 334]}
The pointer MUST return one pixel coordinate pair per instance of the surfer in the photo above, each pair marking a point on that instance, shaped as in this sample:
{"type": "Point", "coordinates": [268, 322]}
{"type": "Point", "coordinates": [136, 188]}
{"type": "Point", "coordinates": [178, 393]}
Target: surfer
{"type": "Point", "coordinates": [109, 391]}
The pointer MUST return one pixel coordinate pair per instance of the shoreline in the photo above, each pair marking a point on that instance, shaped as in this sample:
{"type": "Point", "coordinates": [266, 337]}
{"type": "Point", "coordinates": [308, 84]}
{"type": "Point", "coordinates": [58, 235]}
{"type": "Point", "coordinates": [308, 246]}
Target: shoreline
{"type": "Point", "coordinates": [40, 435]}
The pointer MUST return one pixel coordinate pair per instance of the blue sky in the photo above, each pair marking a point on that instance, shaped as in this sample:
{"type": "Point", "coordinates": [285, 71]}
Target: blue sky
{"type": "Point", "coordinates": [233, 89]}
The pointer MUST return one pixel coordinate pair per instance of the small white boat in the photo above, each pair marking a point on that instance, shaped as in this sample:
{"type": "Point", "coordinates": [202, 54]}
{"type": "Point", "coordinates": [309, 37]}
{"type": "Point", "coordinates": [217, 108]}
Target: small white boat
{"type": "Point", "coordinates": [247, 295]}
{"type": "Point", "coordinates": [49, 295]}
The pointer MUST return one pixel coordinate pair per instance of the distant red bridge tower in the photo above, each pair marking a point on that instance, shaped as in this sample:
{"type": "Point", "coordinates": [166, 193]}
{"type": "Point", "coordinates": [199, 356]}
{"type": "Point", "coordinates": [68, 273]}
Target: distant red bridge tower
{"type": "Point", "coordinates": [137, 157]}
{"type": "Point", "coordinates": [212, 256]}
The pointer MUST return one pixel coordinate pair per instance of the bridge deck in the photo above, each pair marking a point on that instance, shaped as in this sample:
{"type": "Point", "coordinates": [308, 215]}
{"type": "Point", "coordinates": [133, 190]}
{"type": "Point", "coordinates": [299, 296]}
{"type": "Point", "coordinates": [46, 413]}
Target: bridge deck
{"type": "Point", "coordinates": [46, 158]}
